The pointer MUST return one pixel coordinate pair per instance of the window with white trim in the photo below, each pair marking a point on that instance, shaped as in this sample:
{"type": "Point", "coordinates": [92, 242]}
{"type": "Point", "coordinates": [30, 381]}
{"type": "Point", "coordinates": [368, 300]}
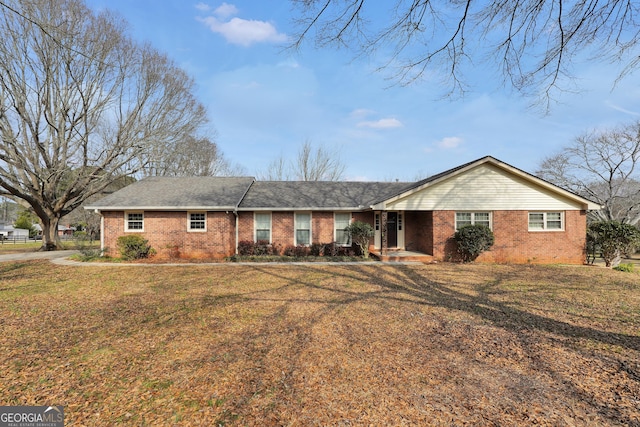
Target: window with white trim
{"type": "Point", "coordinates": [472, 218]}
{"type": "Point", "coordinates": [546, 221]}
{"type": "Point", "coordinates": [134, 221]}
{"type": "Point", "coordinates": [341, 221]}
{"type": "Point", "coordinates": [197, 221]}
{"type": "Point", "coordinates": [262, 222]}
{"type": "Point", "coordinates": [303, 229]}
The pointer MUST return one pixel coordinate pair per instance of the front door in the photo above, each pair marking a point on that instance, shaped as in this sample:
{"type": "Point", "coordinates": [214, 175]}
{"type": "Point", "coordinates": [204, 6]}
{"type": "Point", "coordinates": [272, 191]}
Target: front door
{"type": "Point", "coordinates": [392, 229]}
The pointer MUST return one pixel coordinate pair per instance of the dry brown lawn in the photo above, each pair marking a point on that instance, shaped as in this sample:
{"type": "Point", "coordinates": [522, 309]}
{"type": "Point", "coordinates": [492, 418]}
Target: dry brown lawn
{"type": "Point", "coordinates": [330, 345]}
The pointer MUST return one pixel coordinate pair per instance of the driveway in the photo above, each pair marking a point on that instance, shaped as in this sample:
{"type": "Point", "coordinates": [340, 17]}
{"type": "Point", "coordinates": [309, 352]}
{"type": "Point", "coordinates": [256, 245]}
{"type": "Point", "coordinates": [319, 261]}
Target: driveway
{"type": "Point", "coordinates": [27, 256]}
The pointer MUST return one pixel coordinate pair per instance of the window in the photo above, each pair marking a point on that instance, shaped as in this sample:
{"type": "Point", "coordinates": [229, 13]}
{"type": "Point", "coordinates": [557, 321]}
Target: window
{"type": "Point", "coordinates": [262, 223]}
{"type": "Point", "coordinates": [134, 221]}
{"type": "Point", "coordinates": [197, 221]}
{"type": "Point", "coordinates": [341, 221]}
{"type": "Point", "coordinates": [303, 229]}
{"type": "Point", "coordinates": [546, 221]}
{"type": "Point", "coordinates": [377, 222]}
{"type": "Point", "coordinates": [472, 218]}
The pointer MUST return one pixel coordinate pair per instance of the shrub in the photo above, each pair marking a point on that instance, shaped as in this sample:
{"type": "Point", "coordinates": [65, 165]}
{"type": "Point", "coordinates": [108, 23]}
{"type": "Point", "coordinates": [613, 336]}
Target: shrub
{"type": "Point", "coordinates": [317, 249]}
{"type": "Point", "coordinates": [133, 247]}
{"type": "Point", "coordinates": [259, 248]}
{"type": "Point", "coordinates": [298, 251]}
{"type": "Point", "coordinates": [613, 238]}
{"type": "Point", "coordinates": [472, 240]}
{"type": "Point", "coordinates": [246, 248]}
{"type": "Point", "coordinates": [626, 267]}
{"type": "Point", "coordinates": [360, 233]}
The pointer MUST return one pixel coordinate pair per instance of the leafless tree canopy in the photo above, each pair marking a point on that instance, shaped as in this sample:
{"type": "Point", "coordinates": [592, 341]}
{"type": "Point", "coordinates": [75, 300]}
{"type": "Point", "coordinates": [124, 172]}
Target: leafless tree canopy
{"type": "Point", "coordinates": [533, 41]}
{"type": "Point", "coordinates": [81, 104]}
{"type": "Point", "coordinates": [310, 164]}
{"type": "Point", "coordinates": [601, 166]}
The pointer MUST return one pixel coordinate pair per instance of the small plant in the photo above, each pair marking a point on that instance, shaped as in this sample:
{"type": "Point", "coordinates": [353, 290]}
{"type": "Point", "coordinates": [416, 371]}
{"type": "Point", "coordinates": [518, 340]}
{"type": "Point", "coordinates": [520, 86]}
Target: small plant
{"type": "Point", "coordinates": [626, 267]}
{"type": "Point", "coordinates": [472, 240]}
{"type": "Point", "coordinates": [134, 247]}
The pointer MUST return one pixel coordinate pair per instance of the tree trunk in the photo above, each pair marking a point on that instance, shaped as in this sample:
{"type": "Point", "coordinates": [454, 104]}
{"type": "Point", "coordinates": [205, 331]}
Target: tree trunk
{"type": "Point", "coordinates": [50, 238]}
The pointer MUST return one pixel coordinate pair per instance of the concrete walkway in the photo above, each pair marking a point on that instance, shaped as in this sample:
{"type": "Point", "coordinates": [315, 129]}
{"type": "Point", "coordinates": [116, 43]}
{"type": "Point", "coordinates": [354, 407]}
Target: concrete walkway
{"type": "Point", "coordinates": [62, 258]}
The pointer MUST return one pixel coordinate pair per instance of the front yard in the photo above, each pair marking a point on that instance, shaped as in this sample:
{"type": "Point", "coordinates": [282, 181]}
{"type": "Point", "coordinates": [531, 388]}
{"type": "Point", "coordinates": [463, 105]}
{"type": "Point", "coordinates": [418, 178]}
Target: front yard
{"type": "Point", "coordinates": [370, 344]}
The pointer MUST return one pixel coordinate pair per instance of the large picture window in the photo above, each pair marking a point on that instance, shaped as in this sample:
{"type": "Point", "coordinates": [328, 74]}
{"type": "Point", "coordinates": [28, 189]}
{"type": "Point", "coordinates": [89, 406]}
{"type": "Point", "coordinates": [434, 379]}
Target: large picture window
{"type": "Point", "coordinates": [197, 221]}
{"type": "Point", "coordinates": [341, 221]}
{"type": "Point", "coordinates": [262, 223]}
{"type": "Point", "coordinates": [134, 221]}
{"type": "Point", "coordinates": [473, 218]}
{"type": "Point", "coordinates": [303, 229]}
{"type": "Point", "coordinates": [546, 221]}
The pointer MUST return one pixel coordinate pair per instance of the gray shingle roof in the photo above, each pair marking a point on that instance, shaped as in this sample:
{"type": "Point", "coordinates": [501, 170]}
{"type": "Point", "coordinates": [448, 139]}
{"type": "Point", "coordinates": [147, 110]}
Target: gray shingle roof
{"type": "Point", "coordinates": [317, 195]}
{"type": "Point", "coordinates": [178, 193]}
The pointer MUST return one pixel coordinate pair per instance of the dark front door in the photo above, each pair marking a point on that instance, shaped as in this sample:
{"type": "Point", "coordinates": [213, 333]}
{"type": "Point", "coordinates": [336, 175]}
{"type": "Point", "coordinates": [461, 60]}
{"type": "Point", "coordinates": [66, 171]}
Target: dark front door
{"type": "Point", "coordinates": [392, 229]}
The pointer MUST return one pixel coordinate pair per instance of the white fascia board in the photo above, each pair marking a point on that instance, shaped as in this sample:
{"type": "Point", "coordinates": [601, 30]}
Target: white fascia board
{"type": "Point", "coordinates": [161, 208]}
{"type": "Point", "coordinates": [302, 208]}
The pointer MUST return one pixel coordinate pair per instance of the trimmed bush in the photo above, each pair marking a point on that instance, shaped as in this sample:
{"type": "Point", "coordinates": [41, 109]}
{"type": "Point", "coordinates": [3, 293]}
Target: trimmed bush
{"type": "Point", "coordinates": [133, 247]}
{"type": "Point", "coordinates": [472, 240]}
{"type": "Point", "coordinates": [296, 251]}
{"type": "Point", "coordinates": [360, 233]}
{"type": "Point", "coordinates": [613, 238]}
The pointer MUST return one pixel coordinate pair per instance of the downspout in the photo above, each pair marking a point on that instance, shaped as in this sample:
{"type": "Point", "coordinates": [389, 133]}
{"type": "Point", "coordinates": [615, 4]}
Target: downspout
{"type": "Point", "coordinates": [235, 212]}
{"type": "Point", "coordinates": [101, 231]}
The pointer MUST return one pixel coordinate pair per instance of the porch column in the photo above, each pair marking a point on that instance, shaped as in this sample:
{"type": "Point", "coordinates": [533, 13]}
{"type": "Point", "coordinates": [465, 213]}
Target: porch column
{"type": "Point", "coordinates": [383, 232]}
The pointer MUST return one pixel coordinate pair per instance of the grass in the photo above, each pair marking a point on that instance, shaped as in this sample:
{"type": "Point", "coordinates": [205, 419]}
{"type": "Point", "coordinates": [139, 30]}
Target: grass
{"type": "Point", "coordinates": [8, 247]}
{"type": "Point", "coordinates": [444, 344]}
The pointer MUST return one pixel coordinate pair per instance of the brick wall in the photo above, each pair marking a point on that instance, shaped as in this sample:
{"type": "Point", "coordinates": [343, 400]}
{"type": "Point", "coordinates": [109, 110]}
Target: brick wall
{"type": "Point", "coordinates": [168, 236]}
{"type": "Point", "coordinates": [514, 243]}
{"type": "Point", "coordinates": [282, 226]}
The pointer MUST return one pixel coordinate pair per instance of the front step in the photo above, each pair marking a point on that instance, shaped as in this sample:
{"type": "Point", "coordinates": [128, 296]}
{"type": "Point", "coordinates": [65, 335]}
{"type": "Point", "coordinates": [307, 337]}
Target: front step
{"type": "Point", "coordinates": [403, 256]}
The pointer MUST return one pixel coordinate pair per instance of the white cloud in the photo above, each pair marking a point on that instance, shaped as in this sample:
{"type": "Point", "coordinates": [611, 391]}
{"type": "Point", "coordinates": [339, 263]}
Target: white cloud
{"type": "Point", "coordinates": [449, 142]}
{"type": "Point", "coordinates": [240, 31]}
{"type": "Point", "coordinates": [225, 10]}
{"type": "Point", "coordinates": [361, 113]}
{"type": "Point", "coordinates": [203, 7]}
{"type": "Point", "coordinates": [621, 109]}
{"type": "Point", "coordinates": [381, 124]}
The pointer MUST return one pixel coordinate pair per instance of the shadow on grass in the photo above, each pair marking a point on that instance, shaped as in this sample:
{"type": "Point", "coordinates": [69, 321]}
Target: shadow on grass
{"type": "Point", "coordinates": [406, 285]}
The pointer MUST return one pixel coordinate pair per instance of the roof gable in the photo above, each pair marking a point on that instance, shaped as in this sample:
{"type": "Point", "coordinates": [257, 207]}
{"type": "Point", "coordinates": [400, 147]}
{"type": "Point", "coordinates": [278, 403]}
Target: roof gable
{"type": "Point", "coordinates": [484, 184]}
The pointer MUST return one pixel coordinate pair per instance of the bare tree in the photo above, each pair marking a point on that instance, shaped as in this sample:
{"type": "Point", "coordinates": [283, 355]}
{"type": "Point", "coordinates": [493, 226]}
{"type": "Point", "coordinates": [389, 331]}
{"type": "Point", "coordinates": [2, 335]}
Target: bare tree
{"type": "Point", "coordinates": [193, 156]}
{"type": "Point", "coordinates": [310, 164]}
{"type": "Point", "coordinates": [601, 166]}
{"type": "Point", "coordinates": [80, 105]}
{"type": "Point", "coordinates": [533, 41]}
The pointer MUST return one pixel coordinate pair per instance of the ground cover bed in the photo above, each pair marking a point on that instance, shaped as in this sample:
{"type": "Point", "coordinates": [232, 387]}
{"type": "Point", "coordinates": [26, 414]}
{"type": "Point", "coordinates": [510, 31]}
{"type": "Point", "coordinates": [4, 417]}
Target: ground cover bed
{"type": "Point", "coordinates": [367, 344]}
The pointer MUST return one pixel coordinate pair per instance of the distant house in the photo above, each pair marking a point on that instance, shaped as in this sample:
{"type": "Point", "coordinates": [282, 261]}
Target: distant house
{"type": "Point", "coordinates": [203, 217]}
{"type": "Point", "coordinates": [9, 232]}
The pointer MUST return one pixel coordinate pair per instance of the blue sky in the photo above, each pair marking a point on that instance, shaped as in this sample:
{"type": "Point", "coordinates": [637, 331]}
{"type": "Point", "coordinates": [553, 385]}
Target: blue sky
{"type": "Point", "coordinates": [265, 101]}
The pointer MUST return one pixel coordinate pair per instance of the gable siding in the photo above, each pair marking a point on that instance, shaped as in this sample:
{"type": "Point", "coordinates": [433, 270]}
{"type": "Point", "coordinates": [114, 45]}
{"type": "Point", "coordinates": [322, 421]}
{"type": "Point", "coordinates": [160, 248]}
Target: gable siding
{"type": "Point", "coordinates": [485, 187]}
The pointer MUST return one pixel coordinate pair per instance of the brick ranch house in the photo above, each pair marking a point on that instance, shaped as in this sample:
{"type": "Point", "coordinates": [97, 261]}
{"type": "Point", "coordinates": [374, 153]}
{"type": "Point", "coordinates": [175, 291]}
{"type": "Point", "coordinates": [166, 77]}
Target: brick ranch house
{"type": "Point", "coordinates": [532, 220]}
